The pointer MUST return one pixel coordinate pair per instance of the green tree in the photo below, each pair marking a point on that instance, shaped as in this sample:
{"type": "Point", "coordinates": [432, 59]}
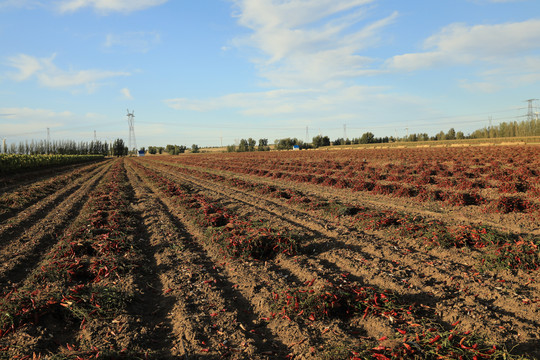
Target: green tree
{"type": "Point", "coordinates": [119, 148]}
{"type": "Point", "coordinates": [243, 146]}
{"type": "Point", "coordinates": [319, 141]}
{"type": "Point", "coordinates": [263, 145]}
{"type": "Point", "coordinates": [367, 138]}
{"type": "Point", "coordinates": [251, 144]}
{"type": "Point", "coordinates": [451, 134]}
{"type": "Point", "coordinates": [195, 148]}
{"type": "Point", "coordinates": [339, 141]}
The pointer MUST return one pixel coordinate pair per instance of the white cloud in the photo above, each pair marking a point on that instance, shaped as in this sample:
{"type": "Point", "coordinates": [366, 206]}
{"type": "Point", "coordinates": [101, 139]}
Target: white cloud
{"type": "Point", "coordinates": [507, 54]}
{"type": "Point", "coordinates": [107, 6]}
{"type": "Point", "coordinates": [27, 66]}
{"type": "Point", "coordinates": [21, 124]}
{"type": "Point", "coordinates": [126, 93]}
{"type": "Point", "coordinates": [307, 43]}
{"type": "Point", "coordinates": [27, 121]}
{"type": "Point", "coordinates": [509, 74]}
{"type": "Point", "coordinates": [460, 44]}
{"type": "Point", "coordinates": [49, 75]}
{"type": "Point", "coordinates": [313, 104]}
{"type": "Point", "coordinates": [139, 41]}
{"type": "Point", "coordinates": [28, 113]}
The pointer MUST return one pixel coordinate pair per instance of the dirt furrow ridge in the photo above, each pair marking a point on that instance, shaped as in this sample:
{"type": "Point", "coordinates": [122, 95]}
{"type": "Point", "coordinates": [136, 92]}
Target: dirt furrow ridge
{"type": "Point", "coordinates": [502, 313]}
{"type": "Point", "coordinates": [248, 288]}
{"type": "Point", "coordinates": [25, 248]}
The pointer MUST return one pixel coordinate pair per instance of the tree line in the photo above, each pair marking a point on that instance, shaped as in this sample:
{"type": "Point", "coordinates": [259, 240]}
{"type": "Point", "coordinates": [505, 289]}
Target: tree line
{"type": "Point", "coordinates": [118, 148]}
{"type": "Point", "coordinates": [58, 147]}
{"type": "Point", "coordinates": [249, 145]}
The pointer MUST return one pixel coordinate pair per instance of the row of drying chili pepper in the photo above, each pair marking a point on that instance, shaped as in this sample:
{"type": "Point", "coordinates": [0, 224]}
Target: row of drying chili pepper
{"type": "Point", "coordinates": [361, 177]}
{"type": "Point", "coordinates": [416, 335]}
{"type": "Point", "coordinates": [25, 196]}
{"type": "Point", "coordinates": [76, 281]}
{"type": "Point", "coordinates": [239, 237]}
{"type": "Point", "coordinates": [500, 165]}
{"type": "Point", "coordinates": [344, 299]}
{"type": "Point", "coordinates": [501, 249]}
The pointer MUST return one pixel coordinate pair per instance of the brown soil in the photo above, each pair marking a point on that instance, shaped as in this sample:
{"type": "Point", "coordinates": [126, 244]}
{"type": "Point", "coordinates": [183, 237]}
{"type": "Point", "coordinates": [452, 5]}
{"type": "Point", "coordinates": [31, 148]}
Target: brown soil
{"type": "Point", "coordinates": [195, 302]}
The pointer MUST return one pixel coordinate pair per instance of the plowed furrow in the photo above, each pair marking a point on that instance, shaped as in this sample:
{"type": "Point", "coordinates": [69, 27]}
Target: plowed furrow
{"type": "Point", "coordinates": [23, 197]}
{"type": "Point", "coordinates": [25, 248]}
{"type": "Point", "coordinates": [208, 315]}
{"type": "Point", "coordinates": [256, 283]}
{"type": "Point", "coordinates": [448, 286]}
{"type": "Point", "coordinates": [432, 210]}
{"type": "Point", "coordinates": [377, 245]}
{"type": "Point", "coordinates": [323, 235]}
{"type": "Point", "coordinates": [15, 181]}
{"type": "Point", "coordinates": [16, 225]}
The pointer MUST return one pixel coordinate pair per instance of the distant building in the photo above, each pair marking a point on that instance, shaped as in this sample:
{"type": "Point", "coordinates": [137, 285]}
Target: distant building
{"type": "Point", "coordinates": [296, 147]}
{"type": "Point", "coordinates": [141, 153]}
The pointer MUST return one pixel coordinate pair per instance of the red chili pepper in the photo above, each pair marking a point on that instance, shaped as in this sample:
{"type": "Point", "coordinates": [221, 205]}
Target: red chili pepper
{"type": "Point", "coordinates": [436, 338]}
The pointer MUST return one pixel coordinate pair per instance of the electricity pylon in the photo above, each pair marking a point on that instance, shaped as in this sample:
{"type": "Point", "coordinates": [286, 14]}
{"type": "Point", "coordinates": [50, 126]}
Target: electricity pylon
{"type": "Point", "coordinates": [132, 144]}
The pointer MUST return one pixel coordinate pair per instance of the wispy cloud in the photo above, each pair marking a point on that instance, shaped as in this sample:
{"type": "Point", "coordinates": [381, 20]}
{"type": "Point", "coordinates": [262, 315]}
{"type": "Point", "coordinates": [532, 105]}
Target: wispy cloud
{"type": "Point", "coordinates": [139, 41]}
{"type": "Point", "coordinates": [126, 93]}
{"type": "Point", "coordinates": [27, 121]}
{"type": "Point", "coordinates": [107, 6]}
{"type": "Point", "coordinates": [461, 44]}
{"type": "Point", "coordinates": [311, 55]}
{"type": "Point", "coordinates": [507, 54]}
{"type": "Point", "coordinates": [48, 75]}
{"type": "Point", "coordinates": [306, 43]}
{"type": "Point", "coordinates": [324, 104]}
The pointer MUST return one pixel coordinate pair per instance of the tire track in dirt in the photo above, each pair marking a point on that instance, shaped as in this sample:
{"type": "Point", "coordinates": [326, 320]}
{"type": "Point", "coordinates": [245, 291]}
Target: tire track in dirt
{"type": "Point", "coordinates": [209, 313]}
{"type": "Point", "coordinates": [480, 304]}
{"type": "Point", "coordinates": [27, 246]}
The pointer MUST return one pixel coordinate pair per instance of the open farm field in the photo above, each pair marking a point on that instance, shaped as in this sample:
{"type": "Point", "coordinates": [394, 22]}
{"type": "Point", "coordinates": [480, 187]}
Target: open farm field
{"type": "Point", "coordinates": [421, 253]}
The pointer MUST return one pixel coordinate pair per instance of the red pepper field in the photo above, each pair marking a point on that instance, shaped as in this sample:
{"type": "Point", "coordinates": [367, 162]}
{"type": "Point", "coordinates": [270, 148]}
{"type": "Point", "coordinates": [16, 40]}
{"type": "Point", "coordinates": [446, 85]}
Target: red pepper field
{"type": "Point", "coordinates": [420, 253]}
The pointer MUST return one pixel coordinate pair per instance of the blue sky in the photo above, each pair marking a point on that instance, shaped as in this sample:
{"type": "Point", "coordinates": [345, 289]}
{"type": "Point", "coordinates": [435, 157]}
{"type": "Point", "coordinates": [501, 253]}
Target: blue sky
{"type": "Point", "coordinates": [210, 72]}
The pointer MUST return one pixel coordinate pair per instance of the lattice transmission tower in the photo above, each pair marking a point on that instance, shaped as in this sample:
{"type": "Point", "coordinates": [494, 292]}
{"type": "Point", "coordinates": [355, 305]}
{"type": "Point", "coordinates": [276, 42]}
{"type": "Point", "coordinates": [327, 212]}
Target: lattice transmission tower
{"type": "Point", "coordinates": [132, 144]}
{"type": "Point", "coordinates": [531, 115]}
